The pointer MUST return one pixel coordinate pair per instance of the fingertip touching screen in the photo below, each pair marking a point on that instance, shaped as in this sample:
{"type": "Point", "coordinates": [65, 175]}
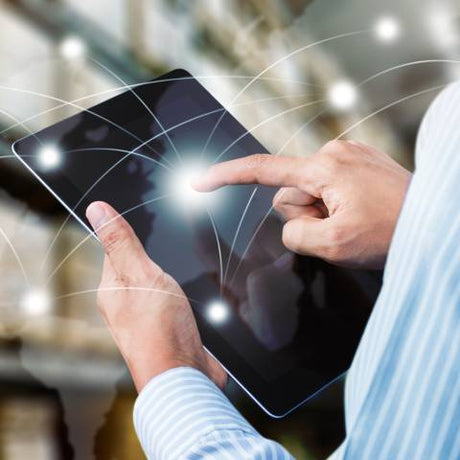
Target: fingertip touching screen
{"type": "Point", "coordinates": [283, 325]}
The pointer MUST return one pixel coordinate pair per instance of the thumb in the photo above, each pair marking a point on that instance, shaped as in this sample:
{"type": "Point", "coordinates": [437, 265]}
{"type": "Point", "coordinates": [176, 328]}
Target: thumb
{"type": "Point", "coordinates": [310, 236]}
{"type": "Point", "coordinates": [121, 244]}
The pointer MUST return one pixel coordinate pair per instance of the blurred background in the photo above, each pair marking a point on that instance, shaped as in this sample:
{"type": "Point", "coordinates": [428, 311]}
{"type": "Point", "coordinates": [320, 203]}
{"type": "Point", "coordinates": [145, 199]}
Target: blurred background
{"type": "Point", "coordinates": [299, 72]}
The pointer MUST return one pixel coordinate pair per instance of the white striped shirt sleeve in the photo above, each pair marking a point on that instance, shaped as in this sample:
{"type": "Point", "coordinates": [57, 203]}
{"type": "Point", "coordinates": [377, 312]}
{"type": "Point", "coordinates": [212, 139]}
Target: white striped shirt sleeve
{"type": "Point", "coordinates": [181, 414]}
{"type": "Point", "coordinates": [402, 395]}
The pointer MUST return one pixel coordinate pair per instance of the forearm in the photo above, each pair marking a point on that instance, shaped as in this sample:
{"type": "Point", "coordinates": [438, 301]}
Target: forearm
{"type": "Point", "coordinates": [182, 414]}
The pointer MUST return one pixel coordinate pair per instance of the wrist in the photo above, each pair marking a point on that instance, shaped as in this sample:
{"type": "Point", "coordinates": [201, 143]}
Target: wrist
{"type": "Point", "coordinates": [144, 370]}
{"type": "Point", "coordinates": [144, 364]}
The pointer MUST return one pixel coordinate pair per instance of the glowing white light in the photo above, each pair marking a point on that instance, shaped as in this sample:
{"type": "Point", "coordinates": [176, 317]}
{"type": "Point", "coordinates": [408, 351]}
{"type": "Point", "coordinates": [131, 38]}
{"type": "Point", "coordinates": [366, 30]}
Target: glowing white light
{"type": "Point", "coordinates": [217, 312]}
{"type": "Point", "coordinates": [49, 157]}
{"type": "Point", "coordinates": [387, 29]}
{"type": "Point", "coordinates": [342, 95]}
{"type": "Point", "coordinates": [72, 48]}
{"type": "Point", "coordinates": [182, 187]}
{"type": "Point", "coordinates": [36, 303]}
{"type": "Point", "coordinates": [442, 23]}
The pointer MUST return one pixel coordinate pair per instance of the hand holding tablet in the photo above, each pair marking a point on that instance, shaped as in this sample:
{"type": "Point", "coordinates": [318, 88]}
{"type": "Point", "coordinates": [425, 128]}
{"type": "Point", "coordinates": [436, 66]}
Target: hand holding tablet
{"type": "Point", "coordinates": [148, 314]}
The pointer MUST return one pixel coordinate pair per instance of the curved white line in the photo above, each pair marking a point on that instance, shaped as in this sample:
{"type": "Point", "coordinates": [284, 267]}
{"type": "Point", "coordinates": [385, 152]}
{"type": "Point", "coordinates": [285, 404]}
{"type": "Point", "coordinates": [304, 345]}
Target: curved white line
{"type": "Point", "coordinates": [16, 255]}
{"type": "Point", "coordinates": [122, 288]}
{"type": "Point", "coordinates": [219, 249]}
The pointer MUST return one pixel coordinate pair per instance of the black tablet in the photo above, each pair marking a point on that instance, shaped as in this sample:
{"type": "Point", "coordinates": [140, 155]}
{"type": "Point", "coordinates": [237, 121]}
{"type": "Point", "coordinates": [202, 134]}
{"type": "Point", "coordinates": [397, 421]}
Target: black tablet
{"type": "Point", "coordinates": [283, 326]}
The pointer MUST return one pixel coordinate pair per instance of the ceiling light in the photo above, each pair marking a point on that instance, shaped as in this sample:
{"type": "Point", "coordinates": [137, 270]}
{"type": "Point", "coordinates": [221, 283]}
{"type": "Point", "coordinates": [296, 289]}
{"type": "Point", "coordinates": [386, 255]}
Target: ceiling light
{"type": "Point", "coordinates": [387, 29]}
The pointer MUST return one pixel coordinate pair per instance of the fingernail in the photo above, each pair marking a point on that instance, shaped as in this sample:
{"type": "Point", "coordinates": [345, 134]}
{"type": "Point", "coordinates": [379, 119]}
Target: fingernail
{"type": "Point", "coordinates": [96, 214]}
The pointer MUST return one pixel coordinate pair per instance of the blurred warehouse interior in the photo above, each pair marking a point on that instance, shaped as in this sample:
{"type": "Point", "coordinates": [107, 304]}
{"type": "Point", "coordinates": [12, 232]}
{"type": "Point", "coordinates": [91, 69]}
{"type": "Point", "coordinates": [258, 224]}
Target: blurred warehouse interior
{"type": "Point", "coordinates": [298, 72]}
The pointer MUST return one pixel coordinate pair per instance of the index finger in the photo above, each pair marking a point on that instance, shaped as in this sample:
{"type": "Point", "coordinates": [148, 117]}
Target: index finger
{"type": "Point", "coordinates": [264, 169]}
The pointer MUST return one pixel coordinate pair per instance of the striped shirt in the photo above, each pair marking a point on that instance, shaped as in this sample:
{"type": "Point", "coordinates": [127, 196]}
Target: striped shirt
{"type": "Point", "coordinates": [402, 395]}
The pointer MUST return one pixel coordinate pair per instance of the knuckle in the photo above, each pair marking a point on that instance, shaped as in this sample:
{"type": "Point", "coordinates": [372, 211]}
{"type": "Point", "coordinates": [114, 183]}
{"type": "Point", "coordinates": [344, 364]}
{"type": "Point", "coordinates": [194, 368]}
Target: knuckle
{"type": "Point", "coordinates": [258, 159]}
{"type": "Point", "coordinates": [123, 280]}
{"type": "Point", "coordinates": [334, 159]}
{"type": "Point", "coordinates": [116, 237]}
{"type": "Point", "coordinates": [112, 239]}
{"type": "Point", "coordinates": [289, 238]}
{"type": "Point", "coordinates": [329, 145]}
{"type": "Point", "coordinates": [286, 239]}
{"type": "Point", "coordinates": [334, 146]}
{"type": "Point", "coordinates": [336, 234]}
{"type": "Point", "coordinates": [160, 279]}
{"type": "Point", "coordinates": [277, 203]}
{"type": "Point", "coordinates": [340, 144]}
{"type": "Point", "coordinates": [279, 208]}
{"type": "Point", "coordinates": [335, 243]}
{"type": "Point", "coordinates": [279, 198]}
{"type": "Point", "coordinates": [331, 253]}
{"type": "Point", "coordinates": [256, 164]}
{"type": "Point", "coordinates": [165, 284]}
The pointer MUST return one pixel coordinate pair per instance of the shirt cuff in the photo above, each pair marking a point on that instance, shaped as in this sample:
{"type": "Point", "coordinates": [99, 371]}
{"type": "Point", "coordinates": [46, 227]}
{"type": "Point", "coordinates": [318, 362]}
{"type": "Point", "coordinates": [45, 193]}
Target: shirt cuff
{"type": "Point", "coordinates": [180, 407]}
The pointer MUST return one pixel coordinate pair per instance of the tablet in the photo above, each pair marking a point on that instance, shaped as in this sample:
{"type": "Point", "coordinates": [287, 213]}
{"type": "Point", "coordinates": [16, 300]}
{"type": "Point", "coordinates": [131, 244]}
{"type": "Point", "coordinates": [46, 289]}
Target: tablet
{"type": "Point", "coordinates": [282, 325]}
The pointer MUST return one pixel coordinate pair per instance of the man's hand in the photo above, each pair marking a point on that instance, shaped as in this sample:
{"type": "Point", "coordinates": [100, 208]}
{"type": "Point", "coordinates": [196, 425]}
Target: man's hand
{"type": "Point", "coordinates": [341, 204]}
{"type": "Point", "coordinates": [146, 311]}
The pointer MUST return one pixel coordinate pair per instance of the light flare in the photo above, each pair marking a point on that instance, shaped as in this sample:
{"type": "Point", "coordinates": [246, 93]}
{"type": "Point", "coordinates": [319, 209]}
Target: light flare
{"type": "Point", "coordinates": [217, 312]}
{"type": "Point", "coordinates": [72, 48]}
{"type": "Point", "coordinates": [342, 95]}
{"type": "Point", "coordinates": [49, 157]}
{"type": "Point", "coordinates": [387, 29]}
{"type": "Point", "coordinates": [36, 302]}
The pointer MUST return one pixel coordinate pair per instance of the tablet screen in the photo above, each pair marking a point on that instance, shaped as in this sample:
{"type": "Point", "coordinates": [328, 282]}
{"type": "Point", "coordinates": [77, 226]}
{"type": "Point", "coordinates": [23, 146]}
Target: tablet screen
{"type": "Point", "coordinates": [268, 315]}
